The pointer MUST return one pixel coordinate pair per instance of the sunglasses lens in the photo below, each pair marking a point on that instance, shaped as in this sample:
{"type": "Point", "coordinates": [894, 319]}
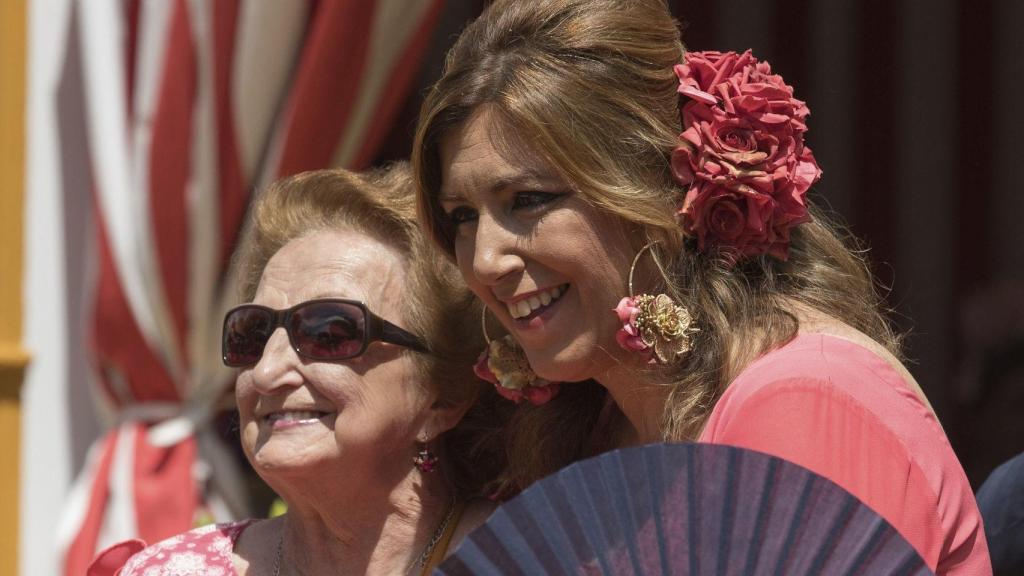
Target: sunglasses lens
{"type": "Point", "coordinates": [329, 330]}
{"type": "Point", "coordinates": [246, 331]}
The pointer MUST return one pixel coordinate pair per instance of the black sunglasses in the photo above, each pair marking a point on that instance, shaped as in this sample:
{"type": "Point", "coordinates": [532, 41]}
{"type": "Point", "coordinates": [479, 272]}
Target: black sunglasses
{"type": "Point", "coordinates": [327, 329]}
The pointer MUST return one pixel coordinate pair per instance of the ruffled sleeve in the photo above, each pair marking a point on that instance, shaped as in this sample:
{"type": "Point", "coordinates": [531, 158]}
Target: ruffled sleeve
{"type": "Point", "coordinates": [110, 561]}
{"type": "Point", "coordinates": [208, 550]}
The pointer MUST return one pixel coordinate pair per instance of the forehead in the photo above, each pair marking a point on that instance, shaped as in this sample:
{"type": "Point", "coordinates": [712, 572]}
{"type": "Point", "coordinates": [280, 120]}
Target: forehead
{"type": "Point", "coordinates": [333, 264]}
{"type": "Point", "coordinates": [485, 153]}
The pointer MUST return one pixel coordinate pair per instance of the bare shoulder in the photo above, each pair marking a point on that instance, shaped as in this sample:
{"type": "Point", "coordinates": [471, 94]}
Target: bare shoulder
{"type": "Point", "coordinates": [257, 545]}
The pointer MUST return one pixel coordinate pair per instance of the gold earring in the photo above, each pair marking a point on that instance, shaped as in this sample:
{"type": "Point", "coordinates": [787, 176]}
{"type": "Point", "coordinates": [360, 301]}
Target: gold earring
{"type": "Point", "coordinates": [504, 364]}
{"type": "Point", "coordinates": [654, 326]}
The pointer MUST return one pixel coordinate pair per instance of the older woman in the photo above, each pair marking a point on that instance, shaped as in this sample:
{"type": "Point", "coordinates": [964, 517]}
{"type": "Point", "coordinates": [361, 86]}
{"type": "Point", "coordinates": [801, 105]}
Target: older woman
{"type": "Point", "coordinates": [636, 218]}
{"type": "Point", "coordinates": [353, 388]}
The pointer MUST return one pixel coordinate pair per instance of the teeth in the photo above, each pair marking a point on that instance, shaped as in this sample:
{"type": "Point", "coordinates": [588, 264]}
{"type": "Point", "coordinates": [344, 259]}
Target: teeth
{"type": "Point", "coordinates": [295, 416]}
{"type": "Point", "coordinates": [526, 306]}
{"type": "Point", "coordinates": [523, 308]}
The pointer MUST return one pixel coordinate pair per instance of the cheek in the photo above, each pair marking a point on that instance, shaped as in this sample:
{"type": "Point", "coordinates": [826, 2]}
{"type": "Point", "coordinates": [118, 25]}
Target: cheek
{"type": "Point", "coordinates": [387, 391]}
{"type": "Point", "coordinates": [340, 388]}
{"type": "Point", "coordinates": [245, 395]}
{"type": "Point", "coordinates": [245, 401]}
{"type": "Point", "coordinates": [464, 257]}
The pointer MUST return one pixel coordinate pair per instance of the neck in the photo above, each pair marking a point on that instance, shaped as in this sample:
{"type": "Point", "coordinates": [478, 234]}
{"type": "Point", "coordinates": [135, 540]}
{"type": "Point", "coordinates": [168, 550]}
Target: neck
{"type": "Point", "coordinates": [360, 533]}
{"type": "Point", "coordinates": [641, 400]}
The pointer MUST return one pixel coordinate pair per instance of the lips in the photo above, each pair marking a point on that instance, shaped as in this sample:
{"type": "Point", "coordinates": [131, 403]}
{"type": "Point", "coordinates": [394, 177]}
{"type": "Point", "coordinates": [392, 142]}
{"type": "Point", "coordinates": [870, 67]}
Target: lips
{"type": "Point", "coordinates": [527, 306]}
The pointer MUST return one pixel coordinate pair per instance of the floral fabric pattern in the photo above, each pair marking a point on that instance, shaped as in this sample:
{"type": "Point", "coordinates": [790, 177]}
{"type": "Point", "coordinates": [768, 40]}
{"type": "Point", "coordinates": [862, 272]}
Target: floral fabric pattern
{"type": "Point", "coordinates": [206, 551]}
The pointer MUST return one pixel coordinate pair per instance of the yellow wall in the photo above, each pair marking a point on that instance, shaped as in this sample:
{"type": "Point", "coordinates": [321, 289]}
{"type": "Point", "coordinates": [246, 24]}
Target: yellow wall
{"type": "Point", "coordinates": [13, 357]}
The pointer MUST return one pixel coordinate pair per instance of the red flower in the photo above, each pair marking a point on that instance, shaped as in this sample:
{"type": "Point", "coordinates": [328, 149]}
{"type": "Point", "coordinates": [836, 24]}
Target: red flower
{"type": "Point", "coordinates": [741, 154]}
{"type": "Point", "coordinates": [629, 336]}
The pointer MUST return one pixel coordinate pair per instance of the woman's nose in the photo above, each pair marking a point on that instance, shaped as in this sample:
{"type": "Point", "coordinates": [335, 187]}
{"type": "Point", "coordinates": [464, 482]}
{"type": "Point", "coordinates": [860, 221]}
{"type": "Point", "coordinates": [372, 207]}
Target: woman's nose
{"type": "Point", "coordinates": [495, 254]}
{"type": "Point", "coordinates": [278, 366]}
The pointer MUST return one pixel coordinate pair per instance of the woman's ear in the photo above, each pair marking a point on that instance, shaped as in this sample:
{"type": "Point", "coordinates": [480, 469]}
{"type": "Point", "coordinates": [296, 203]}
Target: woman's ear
{"type": "Point", "coordinates": [442, 417]}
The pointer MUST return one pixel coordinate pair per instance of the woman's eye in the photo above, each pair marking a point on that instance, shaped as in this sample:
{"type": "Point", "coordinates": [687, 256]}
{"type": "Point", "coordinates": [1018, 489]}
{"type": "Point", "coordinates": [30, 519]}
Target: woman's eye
{"type": "Point", "coordinates": [461, 214]}
{"type": "Point", "coordinates": [533, 199]}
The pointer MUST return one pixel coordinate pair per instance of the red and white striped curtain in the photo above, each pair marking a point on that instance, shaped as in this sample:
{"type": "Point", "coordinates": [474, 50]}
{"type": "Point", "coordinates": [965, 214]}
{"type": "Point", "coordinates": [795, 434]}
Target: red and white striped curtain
{"type": "Point", "coordinates": [191, 105]}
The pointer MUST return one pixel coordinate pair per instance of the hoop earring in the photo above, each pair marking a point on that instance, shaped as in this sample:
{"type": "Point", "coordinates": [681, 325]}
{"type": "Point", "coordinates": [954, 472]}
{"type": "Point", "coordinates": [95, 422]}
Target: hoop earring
{"type": "Point", "coordinates": [654, 326]}
{"type": "Point", "coordinates": [503, 363]}
{"type": "Point", "coordinates": [425, 460]}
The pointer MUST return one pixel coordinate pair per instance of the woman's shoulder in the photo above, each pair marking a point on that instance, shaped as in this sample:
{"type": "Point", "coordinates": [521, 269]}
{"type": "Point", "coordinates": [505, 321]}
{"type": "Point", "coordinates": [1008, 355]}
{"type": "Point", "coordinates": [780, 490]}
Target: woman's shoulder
{"type": "Point", "coordinates": [820, 393]}
{"type": "Point", "coordinates": [203, 550]}
{"type": "Point", "coordinates": [848, 413]}
{"type": "Point", "coordinates": [823, 362]}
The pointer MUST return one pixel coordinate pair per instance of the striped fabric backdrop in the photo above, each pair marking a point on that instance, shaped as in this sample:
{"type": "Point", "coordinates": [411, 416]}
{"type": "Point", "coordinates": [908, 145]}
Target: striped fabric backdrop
{"type": "Point", "coordinates": [191, 105]}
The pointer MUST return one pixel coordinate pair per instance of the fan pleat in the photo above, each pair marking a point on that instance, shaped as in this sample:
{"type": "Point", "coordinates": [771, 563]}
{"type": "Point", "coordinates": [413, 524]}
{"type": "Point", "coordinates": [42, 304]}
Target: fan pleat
{"type": "Point", "coordinates": [531, 549]}
{"type": "Point", "coordinates": [693, 528]}
{"type": "Point", "coordinates": [862, 548]}
{"type": "Point", "coordinates": [561, 525]}
{"type": "Point", "coordinates": [763, 474]}
{"type": "Point", "coordinates": [483, 554]}
{"type": "Point", "coordinates": [559, 530]}
{"type": "Point", "coordinates": [590, 506]}
{"type": "Point", "coordinates": [627, 505]}
{"type": "Point", "coordinates": [831, 537]}
{"type": "Point", "coordinates": [647, 477]}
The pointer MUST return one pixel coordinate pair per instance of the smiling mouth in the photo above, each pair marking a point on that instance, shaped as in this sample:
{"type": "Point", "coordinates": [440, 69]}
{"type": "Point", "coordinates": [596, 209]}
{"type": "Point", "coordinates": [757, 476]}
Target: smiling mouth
{"type": "Point", "coordinates": [536, 303]}
{"type": "Point", "coordinates": [295, 417]}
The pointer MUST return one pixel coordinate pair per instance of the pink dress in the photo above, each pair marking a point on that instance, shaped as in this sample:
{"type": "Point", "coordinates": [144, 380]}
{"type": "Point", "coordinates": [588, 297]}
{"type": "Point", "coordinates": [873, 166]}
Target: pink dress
{"type": "Point", "coordinates": [207, 551]}
{"type": "Point", "coordinates": [842, 411]}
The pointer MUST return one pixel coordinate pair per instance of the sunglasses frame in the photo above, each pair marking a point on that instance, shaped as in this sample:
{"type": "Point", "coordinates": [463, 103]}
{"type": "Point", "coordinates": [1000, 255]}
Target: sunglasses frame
{"type": "Point", "coordinates": [376, 329]}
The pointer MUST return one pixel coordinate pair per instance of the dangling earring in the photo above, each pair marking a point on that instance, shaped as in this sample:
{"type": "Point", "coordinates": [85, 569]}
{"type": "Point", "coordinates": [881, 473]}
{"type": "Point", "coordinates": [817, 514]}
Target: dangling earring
{"type": "Point", "coordinates": [503, 363]}
{"type": "Point", "coordinates": [653, 326]}
{"type": "Point", "coordinates": [425, 460]}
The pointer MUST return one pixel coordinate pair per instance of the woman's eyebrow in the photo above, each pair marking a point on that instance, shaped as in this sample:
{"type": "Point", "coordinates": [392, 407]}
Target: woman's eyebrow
{"type": "Point", "coordinates": [517, 179]}
{"type": "Point", "coordinates": [524, 178]}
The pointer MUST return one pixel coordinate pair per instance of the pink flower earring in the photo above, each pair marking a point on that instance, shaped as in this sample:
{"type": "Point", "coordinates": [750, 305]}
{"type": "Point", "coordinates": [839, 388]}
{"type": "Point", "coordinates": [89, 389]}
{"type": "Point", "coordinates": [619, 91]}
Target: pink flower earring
{"type": "Point", "coordinates": [504, 364]}
{"type": "Point", "coordinates": [654, 326]}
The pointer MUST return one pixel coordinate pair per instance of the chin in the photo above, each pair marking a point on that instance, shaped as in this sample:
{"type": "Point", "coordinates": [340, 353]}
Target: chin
{"type": "Point", "coordinates": [569, 367]}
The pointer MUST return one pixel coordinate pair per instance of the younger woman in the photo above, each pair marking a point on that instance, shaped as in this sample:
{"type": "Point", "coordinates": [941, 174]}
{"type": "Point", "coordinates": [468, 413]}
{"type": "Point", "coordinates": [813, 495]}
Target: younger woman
{"type": "Point", "coordinates": [636, 219]}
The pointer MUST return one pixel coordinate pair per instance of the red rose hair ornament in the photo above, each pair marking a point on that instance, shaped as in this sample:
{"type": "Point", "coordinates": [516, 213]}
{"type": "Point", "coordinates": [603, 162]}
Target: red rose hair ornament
{"type": "Point", "coordinates": [741, 156]}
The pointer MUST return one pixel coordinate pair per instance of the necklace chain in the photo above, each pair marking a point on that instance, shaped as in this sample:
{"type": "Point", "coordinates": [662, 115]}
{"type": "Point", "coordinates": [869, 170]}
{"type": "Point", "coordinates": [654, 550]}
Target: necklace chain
{"type": "Point", "coordinates": [277, 555]}
{"type": "Point", "coordinates": [421, 560]}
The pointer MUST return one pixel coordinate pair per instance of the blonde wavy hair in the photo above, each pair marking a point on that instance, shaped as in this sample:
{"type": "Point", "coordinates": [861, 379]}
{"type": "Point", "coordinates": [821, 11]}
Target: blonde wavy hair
{"type": "Point", "coordinates": [588, 85]}
{"type": "Point", "coordinates": [436, 306]}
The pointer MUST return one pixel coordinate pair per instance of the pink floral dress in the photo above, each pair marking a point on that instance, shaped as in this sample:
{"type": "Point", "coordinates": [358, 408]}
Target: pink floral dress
{"type": "Point", "coordinates": [206, 551]}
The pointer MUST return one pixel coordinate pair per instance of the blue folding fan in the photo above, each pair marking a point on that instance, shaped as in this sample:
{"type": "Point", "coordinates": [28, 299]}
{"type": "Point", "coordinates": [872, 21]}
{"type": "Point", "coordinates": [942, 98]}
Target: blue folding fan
{"type": "Point", "coordinates": [684, 509]}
